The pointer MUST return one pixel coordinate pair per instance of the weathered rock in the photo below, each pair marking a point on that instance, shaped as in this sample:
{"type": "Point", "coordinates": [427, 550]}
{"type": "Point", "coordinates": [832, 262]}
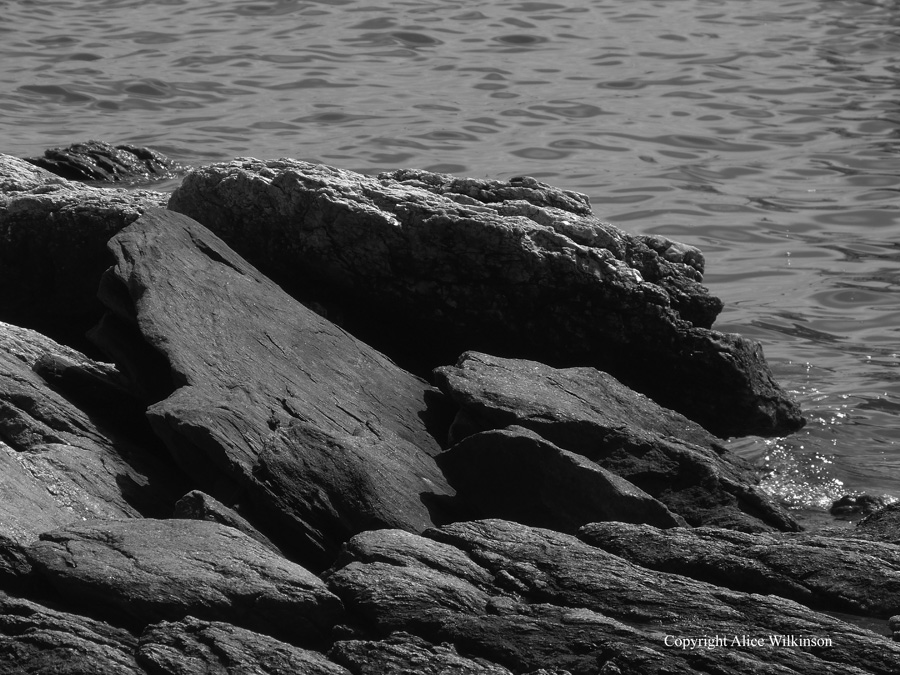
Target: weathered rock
{"type": "Point", "coordinates": [590, 413]}
{"type": "Point", "coordinates": [37, 639]}
{"type": "Point", "coordinates": [61, 462]}
{"type": "Point", "coordinates": [884, 524]}
{"type": "Point", "coordinates": [100, 161]}
{"type": "Point", "coordinates": [195, 647]}
{"type": "Point", "coordinates": [857, 505]}
{"type": "Point", "coordinates": [515, 474]}
{"type": "Point", "coordinates": [54, 235]}
{"type": "Point", "coordinates": [558, 603]}
{"type": "Point", "coordinates": [143, 570]}
{"type": "Point", "coordinates": [322, 434]}
{"type": "Point", "coordinates": [404, 653]}
{"type": "Point", "coordinates": [427, 265]}
{"type": "Point", "coordinates": [197, 505]}
{"type": "Point", "coordinates": [831, 573]}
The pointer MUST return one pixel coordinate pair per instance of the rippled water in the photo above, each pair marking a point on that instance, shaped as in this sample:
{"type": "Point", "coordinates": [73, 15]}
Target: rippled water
{"type": "Point", "coordinates": [766, 132]}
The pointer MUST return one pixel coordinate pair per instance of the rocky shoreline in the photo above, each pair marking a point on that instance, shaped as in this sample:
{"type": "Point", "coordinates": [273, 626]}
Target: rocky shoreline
{"type": "Point", "coordinates": [292, 419]}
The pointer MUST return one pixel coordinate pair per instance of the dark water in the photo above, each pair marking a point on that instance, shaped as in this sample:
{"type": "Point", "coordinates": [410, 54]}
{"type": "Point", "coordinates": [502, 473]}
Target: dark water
{"type": "Point", "coordinates": [765, 132]}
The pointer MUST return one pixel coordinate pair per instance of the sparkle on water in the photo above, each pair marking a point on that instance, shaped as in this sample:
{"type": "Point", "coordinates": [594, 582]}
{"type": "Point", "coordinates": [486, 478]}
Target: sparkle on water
{"type": "Point", "coordinates": [767, 133]}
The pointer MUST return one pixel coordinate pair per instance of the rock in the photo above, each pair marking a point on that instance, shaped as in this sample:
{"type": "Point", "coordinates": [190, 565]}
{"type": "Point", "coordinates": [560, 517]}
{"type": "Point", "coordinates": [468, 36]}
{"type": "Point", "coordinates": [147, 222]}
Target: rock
{"type": "Point", "coordinates": [829, 573]}
{"type": "Point", "coordinates": [54, 236]}
{"type": "Point", "coordinates": [99, 161]}
{"type": "Point", "coordinates": [883, 524]}
{"type": "Point", "coordinates": [558, 603]}
{"type": "Point", "coordinates": [426, 266]}
{"type": "Point", "coordinates": [195, 647]}
{"type": "Point", "coordinates": [197, 505]}
{"type": "Point", "coordinates": [404, 653]}
{"type": "Point", "coordinates": [516, 475]}
{"type": "Point", "coordinates": [855, 505]}
{"type": "Point", "coordinates": [37, 639]}
{"type": "Point", "coordinates": [268, 403]}
{"type": "Point", "coordinates": [590, 413]}
{"type": "Point", "coordinates": [62, 462]}
{"type": "Point", "coordinates": [143, 571]}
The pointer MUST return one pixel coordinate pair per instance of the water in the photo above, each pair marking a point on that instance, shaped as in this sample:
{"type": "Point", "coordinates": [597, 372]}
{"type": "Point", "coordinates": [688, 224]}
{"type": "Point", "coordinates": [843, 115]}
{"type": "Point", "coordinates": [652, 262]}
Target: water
{"type": "Point", "coordinates": [765, 132]}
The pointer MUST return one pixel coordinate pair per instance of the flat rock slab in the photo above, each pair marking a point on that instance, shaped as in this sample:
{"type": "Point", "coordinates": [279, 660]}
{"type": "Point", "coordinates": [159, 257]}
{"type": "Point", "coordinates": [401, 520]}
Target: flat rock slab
{"type": "Point", "coordinates": [54, 235]}
{"type": "Point", "coordinates": [838, 574]}
{"type": "Point", "coordinates": [38, 639]}
{"type": "Point", "coordinates": [515, 474]}
{"type": "Point", "coordinates": [590, 413]}
{"type": "Point", "coordinates": [195, 647]}
{"type": "Point", "coordinates": [264, 400]}
{"type": "Point", "coordinates": [59, 462]}
{"type": "Point", "coordinates": [555, 602]}
{"type": "Point", "coordinates": [432, 265]}
{"type": "Point", "coordinates": [144, 571]}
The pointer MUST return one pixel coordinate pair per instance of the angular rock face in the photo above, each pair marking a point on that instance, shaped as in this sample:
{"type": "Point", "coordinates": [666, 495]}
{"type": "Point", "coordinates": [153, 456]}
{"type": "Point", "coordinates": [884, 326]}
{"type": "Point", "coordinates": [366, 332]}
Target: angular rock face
{"type": "Point", "coordinates": [264, 400]}
{"type": "Point", "coordinates": [53, 251]}
{"type": "Point", "coordinates": [99, 161]}
{"type": "Point", "coordinates": [515, 474]}
{"type": "Point", "coordinates": [70, 453]}
{"type": "Point", "coordinates": [526, 598]}
{"type": "Point", "coordinates": [589, 413]}
{"type": "Point", "coordinates": [141, 571]}
{"type": "Point", "coordinates": [830, 573]}
{"type": "Point", "coordinates": [517, 269]}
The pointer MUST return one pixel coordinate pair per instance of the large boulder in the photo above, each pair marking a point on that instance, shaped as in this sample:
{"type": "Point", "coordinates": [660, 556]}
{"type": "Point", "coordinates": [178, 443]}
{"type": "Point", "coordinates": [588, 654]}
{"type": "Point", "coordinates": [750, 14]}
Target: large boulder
{"type": "Point", "coordinates": [101, 161]}
{"type": "Point", "coordinates": [73, 445]}
{"type": "Point", "coordinates": [426, 266]}
{"type": "Point", "coordinates": [526, 598]}
{"type": "Point", "coordinates": [142, 571]}
{"type": "Point", "coordinates": [589, 413]}
{"type": "Point", "coordinates": [54, 235]}
{"type": "Point", "coordinates": [264, 401]}
{"type": "Point", "coordinates": [838, 574]}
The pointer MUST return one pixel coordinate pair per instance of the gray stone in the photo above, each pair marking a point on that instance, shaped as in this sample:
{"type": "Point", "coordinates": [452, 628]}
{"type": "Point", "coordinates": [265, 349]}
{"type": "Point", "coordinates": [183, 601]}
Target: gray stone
{"type": "Point", "coordinates": [426, 266]}
{"type": "Point", "coordinates": [197, 505]}
{"type": "Point", "coordinates": [142, 571]}
{"type": "Point", "coordinates": [100, 161]}
{"type": "Point", "coordinates": [590, 413]}
{"type": "Point", "coordinates": [515, 474]}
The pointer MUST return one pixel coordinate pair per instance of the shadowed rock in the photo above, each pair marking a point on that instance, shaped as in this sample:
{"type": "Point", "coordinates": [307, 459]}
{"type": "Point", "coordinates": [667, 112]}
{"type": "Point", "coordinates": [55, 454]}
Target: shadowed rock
{"type": "Point", "coordinates": [54, 235]}
{"type": "Point", "coordinates": [555, 602]}
{"type": "Point", "coordinates": [99, 161]}
{"type": "Point", "coordinates": [515, 474]}
{"type": "Point", "coordinates": [74, 450]}
{"type": "Point", "coordinates": [195, 647]}
{"type": "Point", "coordinates": [37, 639]}
{"type": "Point", "coordinates": [830, 573]}
{"type": "Point", "coordinates": [142, 571]}
{"type": "Point", "coordinates": [590, 413]}
{"type": "Point", "coordinates": [266, 400]}
{"type": "Point", "coordinates": [197, 505]}
{"type": "Point", "coordinates": [426, 266]}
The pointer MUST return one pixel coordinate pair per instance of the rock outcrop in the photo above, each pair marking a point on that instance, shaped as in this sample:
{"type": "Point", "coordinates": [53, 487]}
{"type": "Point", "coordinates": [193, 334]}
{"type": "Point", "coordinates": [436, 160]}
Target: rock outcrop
{"type": "Point", "coordinates": [53, 234]}
{"type": "Point", "coordinates": [262, 399]}
{"type": "Point", "coordinates": [517, 269]}
{"type": "Point", "coordinates": [590, 413]}
{"type": "Point", "coordinates": [100, 161]}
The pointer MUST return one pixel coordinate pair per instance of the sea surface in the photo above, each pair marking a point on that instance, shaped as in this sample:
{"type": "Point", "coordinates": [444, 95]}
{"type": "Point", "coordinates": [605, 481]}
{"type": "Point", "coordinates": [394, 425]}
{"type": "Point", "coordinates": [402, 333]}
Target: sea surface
{"type": "Point", "coordinates": [766, 132]}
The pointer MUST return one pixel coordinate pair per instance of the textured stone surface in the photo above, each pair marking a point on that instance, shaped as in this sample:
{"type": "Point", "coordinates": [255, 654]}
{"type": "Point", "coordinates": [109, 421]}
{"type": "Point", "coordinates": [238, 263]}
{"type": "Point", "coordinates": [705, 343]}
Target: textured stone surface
{"type": "Point", "coordinates": [197, 505]}
{"type": "Point", "coordinates": [53, 234]}
{"type": "Point", "coordinates": [265, 399]}
{"type": "Point", "coordinates": [37, 639]}
{"type": "Point", "coordinates": [143, 570]}
{"type": "Point", "coordinates": [430, 265]}
{"type": "Point", "coordinates": [195, 647]}
{"type": "Point", "coordinates": [590, 413]}
{"type": "Point", "coordinates": [883, 524]}
{"type": "Point", "coordinates": [515, 474]}
{"type": "Point", "coordinates": [825, 572]}
{"type": "Point", "coordinates": [61, 462]}
{"type": "Point", "coordinates": [100, 161]}
{"type": "Point", "coordinates": [555, 602]}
